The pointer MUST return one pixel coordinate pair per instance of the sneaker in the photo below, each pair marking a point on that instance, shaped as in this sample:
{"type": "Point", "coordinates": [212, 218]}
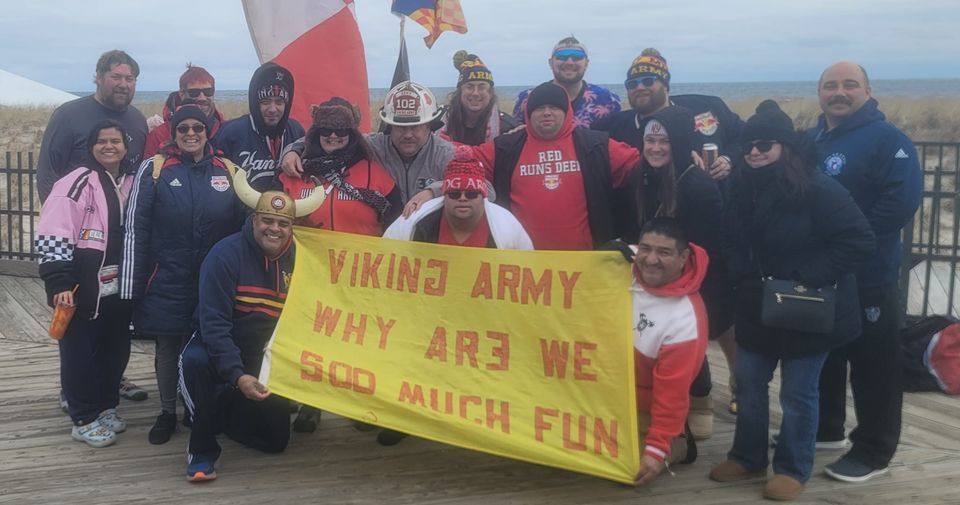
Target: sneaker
{"type": "Point", "coordinates": [163, 428]}
{"type": "Point", "coordinates": [64, 406]}
{"type": "Point", "coordinates": [201, 471]}
{"type": "Point", "coordinates": [390, 437]}
{"type": "Point", "coordinates": [109, 419]}
{"type": "Point", "coordinates": [730, 471]}
{"type": "Point", "coordinates": [362, 426]}
{"type": "Point", "coordinates": [822, 445]}
{"type": "Point", "coordinates": [307, 420]}
{"type": "Point", "coordinates": [700, 417]}
{"type": "Point", "coordinates": [848, 469]}
{"type": "Point", "coordinates": [782, 488]}
{"type": "Point", "coordinates": [131, 391]}
{"type": "Point", "coordinates": [94, 434]}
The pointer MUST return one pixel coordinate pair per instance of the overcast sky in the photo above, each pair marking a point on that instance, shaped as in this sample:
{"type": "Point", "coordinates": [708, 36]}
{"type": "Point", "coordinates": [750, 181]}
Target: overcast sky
{"type": "Point", "coordinates": [58, 42]}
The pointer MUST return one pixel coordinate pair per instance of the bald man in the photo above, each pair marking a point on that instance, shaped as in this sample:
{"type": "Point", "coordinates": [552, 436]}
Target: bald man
{"type": "Point", "coordinates": [878, 165]}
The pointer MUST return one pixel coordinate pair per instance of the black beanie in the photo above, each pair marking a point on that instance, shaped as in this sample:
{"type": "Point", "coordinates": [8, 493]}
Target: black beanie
{"type": "Point", "coordinates": [770, 123]}
{"type": "Point", "coordinates": [679, 123]}
{"type": "Point", "coordinates": [189, 111]}
{"type": "Point", "coordinates": [547, 93]}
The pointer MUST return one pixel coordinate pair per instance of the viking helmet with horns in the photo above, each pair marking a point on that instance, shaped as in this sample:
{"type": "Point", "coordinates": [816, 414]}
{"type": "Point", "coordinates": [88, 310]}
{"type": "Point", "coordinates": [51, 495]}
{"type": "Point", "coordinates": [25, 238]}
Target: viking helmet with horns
{"type": "Point", "coordinates": [276, 203]}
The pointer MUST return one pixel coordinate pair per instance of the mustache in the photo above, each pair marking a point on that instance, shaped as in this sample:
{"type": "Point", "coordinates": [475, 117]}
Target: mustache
{"type": "Point", "coordinates": [840, 99]}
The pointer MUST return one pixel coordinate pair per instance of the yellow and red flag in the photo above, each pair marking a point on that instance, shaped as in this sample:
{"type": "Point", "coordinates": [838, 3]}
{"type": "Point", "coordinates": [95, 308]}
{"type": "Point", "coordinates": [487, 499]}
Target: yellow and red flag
{"type": "Point", "coordinates": [437, 16]}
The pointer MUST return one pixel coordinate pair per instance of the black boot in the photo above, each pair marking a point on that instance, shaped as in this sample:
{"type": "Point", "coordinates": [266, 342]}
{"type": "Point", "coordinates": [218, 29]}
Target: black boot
{"type": "Point", "coordinates": [390, 437]}
{"type": "Point", "coordinates": [163, 428]}
{"type": "Point", "coordinates": [307, 420]}
{"type": "Point", "coordinates": [691, 446]}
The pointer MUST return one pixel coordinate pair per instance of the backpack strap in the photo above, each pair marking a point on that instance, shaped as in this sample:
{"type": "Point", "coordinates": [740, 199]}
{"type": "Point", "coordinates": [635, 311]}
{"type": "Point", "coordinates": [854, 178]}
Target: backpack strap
{"type": "Point", "coordinates": [158, 162]}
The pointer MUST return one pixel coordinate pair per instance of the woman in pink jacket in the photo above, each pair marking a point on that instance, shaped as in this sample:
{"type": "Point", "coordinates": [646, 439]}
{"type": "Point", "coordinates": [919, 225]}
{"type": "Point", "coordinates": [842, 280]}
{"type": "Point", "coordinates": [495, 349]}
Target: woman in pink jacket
{"type": "Point", "coordinates": [80, 238]}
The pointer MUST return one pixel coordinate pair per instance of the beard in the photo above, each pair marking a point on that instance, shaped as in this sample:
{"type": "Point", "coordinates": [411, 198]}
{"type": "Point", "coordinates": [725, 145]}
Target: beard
{"type": "Point", "coordinates": [646, 105]}
{"type": "Point", "coordinates": [560, 79]}
{"type": "Point", "coordinates": [116, 98]}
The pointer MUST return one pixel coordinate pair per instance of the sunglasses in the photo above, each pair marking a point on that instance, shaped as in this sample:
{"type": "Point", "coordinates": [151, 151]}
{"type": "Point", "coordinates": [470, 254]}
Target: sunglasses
{"type": "Point", "coordinates": [185, 129]}
{"type": "Point", "coordinates": [574, 54]}
{"type": "Point", "coordinates": [326, 132]}
{"type": "Point", "coordinates": [457, 194]}
{"type": "Point", "coordinates": [636, 82]}
{"type": "Point", "coordinates": [195, 92]}
{"type": "Point", "coordinates": [763, 146]}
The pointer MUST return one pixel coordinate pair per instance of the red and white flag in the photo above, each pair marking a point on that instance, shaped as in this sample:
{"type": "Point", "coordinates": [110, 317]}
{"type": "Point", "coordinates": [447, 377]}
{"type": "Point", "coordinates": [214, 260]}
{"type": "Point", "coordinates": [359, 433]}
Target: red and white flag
{"type": "Point", "coordinates": [319, 42]}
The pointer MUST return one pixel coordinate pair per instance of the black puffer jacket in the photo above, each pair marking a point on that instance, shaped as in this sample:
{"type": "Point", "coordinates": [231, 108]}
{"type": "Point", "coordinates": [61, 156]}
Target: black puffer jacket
{"type": "Point", "coordinates": [817, 239]}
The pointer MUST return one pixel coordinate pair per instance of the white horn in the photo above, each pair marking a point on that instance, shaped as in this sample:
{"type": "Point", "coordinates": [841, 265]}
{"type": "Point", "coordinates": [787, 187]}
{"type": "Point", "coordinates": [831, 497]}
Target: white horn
{"type": "Point", "coordinates": [306, 206]}
{"type": "Point", "coordinates": [241, 187]}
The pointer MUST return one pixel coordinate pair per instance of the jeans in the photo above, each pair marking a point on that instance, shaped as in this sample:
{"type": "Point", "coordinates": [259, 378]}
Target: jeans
{"type": "Point", "coordinates": [799, 399]}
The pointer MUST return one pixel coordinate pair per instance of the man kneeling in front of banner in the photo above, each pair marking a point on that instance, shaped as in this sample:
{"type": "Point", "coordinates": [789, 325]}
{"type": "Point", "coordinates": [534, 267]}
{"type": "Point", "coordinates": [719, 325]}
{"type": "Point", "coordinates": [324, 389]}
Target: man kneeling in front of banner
{"type": "Point", "coordinates": [243, 284]}
{"type": "Point", "coordinates": [669, 339]}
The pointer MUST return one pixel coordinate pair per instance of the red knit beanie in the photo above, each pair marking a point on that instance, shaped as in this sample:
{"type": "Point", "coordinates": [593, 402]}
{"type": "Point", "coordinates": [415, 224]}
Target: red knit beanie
{"type": "Point", "coordinates": [464, 172]}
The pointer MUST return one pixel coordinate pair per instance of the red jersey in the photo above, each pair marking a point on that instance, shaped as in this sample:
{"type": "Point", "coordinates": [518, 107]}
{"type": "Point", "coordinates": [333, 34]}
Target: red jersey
{"type": "Point", "coordinates": [479, 238]}
{"type": "Point", "coordinates": [547, 194]}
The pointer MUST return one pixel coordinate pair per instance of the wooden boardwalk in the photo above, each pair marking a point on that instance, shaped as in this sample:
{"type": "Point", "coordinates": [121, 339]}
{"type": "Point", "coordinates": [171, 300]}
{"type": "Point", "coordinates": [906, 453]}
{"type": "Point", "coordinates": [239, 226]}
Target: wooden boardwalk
{"type": "Point", "coordinates": [39, 463]}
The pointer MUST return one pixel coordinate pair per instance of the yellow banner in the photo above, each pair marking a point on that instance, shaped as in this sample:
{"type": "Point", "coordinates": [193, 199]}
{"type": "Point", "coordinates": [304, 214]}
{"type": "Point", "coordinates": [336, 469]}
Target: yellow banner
{"type": "Point", "coordinates": [522, 354]}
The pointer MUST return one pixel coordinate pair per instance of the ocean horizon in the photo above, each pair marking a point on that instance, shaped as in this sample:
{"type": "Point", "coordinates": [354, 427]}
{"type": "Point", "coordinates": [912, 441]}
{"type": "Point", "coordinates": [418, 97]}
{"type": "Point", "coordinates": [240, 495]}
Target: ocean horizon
{"type": "Point", "coordinates": [730, 91]}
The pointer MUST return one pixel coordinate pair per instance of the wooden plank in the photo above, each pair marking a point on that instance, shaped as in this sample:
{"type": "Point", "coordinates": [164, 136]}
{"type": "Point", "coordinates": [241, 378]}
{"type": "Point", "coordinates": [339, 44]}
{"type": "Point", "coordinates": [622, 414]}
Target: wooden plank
{"type": "Point", "coordinates": [18, 323]}
{"type": "Point", "coordinates": [338, 464]}
{"type": "Point", "coordinates": [19, 268]}
{"type": "Point", "coordinates": [26, 296]}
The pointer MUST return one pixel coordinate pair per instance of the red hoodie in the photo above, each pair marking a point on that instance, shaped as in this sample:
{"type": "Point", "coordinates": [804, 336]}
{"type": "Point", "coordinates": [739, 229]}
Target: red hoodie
{"type": "Point", "coordinates": [670, 341]}
{"type": "Point", "coordinates": [547, 194]}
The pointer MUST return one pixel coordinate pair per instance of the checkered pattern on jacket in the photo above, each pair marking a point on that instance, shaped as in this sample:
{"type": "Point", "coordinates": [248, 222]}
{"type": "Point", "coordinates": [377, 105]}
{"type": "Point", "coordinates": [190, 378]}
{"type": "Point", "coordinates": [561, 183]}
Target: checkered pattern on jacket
{"type": "Point", "coordinates": [53, 248]}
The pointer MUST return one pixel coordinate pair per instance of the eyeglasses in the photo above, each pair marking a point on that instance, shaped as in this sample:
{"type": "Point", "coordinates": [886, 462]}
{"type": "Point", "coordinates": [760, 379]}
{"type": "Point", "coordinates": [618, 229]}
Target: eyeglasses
{"type": "Point", "coordinates": [455, 195]}
{"type": "Point", "coordinates": [195, 92]}
{"type": "Point", "coordinates": [185, 129]}
{"type": "Point", "coordinates": [762, 145]}
{"type": "Point", "coordinates": [636, 82]}
{"type": "Point", "coordinates": [574, 54]}
{"type": "Point", "coordinates": [326, 132]}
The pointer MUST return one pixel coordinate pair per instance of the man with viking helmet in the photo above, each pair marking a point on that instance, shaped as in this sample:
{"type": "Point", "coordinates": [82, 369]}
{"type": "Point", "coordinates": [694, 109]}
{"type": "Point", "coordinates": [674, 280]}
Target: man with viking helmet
{"type": "Point", "coordinates": [243, 284]}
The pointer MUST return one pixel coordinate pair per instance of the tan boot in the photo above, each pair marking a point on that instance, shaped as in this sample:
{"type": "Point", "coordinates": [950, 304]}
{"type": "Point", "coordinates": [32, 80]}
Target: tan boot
{"type": "Point", "coordinates": [700, 417]}
{"type": "Point", "coordinates": [730, 471]}
{"type": "Point", "coordinates": [782, 488]}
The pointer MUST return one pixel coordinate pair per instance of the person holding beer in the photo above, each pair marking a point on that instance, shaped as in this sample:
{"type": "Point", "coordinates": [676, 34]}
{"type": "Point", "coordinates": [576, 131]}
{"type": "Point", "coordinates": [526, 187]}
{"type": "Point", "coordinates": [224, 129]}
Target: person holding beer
{"type": "Point", "coordinates": [80, 238]}
{"type": "Point", "coordinates": [668, 182]}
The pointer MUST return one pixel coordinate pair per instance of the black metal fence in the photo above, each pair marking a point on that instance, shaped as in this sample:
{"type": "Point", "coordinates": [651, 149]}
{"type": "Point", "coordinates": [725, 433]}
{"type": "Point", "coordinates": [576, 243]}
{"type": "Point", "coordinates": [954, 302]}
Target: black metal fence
{"type": "Point", "coordinates": [19, 207]}
{"type": "Point", "coordinates": [931, 242]}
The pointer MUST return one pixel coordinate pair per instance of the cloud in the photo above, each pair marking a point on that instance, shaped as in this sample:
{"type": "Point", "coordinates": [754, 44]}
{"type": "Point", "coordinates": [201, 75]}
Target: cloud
{"type": "Point", "coordinates": [58, 42]}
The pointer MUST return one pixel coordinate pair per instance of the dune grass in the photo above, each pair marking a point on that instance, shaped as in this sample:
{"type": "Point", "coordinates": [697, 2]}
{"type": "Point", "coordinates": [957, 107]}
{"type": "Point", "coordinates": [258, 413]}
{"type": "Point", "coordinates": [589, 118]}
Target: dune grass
{"type": "Point", "coordinates": [922, 119]}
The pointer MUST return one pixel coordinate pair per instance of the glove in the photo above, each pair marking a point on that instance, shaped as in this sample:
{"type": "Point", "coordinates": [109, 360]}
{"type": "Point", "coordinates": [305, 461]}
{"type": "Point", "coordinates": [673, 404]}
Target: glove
{"type": "Point", "coordinates": [619, 246]}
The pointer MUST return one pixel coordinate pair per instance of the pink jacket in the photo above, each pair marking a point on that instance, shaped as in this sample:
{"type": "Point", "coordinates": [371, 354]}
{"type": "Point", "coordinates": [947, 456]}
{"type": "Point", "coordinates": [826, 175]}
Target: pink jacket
{"type": "Point", "coordinates": [72, 235]}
